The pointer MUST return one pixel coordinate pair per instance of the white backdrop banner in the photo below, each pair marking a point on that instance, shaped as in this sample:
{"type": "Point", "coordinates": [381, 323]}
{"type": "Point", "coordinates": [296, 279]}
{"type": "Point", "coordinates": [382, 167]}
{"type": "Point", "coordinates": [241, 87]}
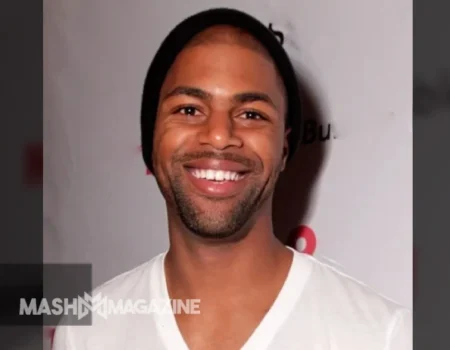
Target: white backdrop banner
{"type": "Point", "coordinates": [350, 195]}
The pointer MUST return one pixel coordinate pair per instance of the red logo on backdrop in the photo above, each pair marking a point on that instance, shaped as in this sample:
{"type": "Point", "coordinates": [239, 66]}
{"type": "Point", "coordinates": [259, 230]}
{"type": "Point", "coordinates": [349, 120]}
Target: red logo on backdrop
{"type": "Point", "coordinates": [33, 164]}
{"type": "Point", "coordinates": [147, 172]}
{"type": "Point", "coordinates": [303, 239]}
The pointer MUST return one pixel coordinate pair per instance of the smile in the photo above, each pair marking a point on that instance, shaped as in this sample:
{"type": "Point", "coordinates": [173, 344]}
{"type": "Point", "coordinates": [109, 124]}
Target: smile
{"type": "Point", "coordinates": [216, 175]}
{"type": "Point", "coordinates": [217, 178]}
{"type": "Point", "coordinates": [216, 182]}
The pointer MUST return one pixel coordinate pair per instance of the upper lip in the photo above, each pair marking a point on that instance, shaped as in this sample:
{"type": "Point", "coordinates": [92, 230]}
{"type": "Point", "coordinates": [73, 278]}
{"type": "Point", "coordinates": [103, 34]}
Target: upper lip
{"type": "Point", "coordinates": [216, 164]}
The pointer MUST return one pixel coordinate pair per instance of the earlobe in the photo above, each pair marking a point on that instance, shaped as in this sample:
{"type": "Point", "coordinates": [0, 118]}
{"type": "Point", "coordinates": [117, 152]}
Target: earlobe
{"type": "Point", "coordinates": [285, 149]}
{"type": "Point", "coordinates": [286, 135]}
{"type": "Point", "coordinates": [284, 160]}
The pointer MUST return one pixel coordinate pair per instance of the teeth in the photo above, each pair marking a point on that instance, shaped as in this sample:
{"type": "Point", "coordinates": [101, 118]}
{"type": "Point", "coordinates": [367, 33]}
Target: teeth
{"type": "Point", "coordinates": [210, 174]}
{"type": "Point", "coordinates": [215, 175]}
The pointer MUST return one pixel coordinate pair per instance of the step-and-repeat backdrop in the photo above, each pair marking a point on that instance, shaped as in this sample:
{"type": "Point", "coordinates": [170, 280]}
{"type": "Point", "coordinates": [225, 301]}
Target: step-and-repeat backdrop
{"type": "Point", "coordinates": [347, 198]}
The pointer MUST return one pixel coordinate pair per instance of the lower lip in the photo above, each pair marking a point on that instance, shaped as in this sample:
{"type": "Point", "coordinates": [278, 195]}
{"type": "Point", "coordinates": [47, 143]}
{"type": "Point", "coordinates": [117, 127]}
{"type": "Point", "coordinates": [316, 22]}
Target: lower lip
{"type": "Point", "coordinates": [215, 188]}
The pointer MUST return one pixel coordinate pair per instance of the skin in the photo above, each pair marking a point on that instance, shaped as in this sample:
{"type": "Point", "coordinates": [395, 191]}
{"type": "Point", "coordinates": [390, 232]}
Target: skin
{"type": "Point", "coordinates": [222, 251]}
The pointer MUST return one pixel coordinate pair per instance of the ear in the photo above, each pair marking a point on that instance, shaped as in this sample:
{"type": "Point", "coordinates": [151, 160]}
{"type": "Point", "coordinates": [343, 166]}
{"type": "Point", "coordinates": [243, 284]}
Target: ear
{"type": "Point", "coordinates": [285, 149]}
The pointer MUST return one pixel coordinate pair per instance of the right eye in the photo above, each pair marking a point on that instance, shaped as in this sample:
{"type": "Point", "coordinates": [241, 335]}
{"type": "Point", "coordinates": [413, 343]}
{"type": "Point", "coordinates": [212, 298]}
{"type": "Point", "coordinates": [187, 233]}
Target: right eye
{"type": "Point", "coordinates": [188, 110]}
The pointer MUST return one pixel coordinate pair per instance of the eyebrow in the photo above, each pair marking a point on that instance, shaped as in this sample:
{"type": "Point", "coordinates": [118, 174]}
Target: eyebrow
{"type": "Point", "coordinates": [244, 97]}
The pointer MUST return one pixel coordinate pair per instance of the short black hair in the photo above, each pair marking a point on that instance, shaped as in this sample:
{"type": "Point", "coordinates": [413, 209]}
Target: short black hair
{"type": "Point", "coordinates": [180, 36]}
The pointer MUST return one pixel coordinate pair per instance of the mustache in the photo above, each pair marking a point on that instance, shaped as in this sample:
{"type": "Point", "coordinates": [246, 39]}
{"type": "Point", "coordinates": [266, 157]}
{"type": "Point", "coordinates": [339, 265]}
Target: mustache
{"type": "Point", "coordinates": [188, 157]}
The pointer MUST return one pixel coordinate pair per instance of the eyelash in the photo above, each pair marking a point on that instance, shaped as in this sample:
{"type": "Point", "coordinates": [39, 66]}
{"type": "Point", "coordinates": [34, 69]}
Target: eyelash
{"type": "Point", "coordinates": [259, 115]}
{"type": "Point", "coordinates": [178, 110]}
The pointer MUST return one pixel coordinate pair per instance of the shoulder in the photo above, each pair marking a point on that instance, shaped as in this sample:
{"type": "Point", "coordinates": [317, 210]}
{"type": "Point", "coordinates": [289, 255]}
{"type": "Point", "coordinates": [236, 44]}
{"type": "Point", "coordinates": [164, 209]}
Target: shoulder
{"type": "Point", "coordinates": [329, 282]}
{"type": "Point", "coordinates": [133, 285]}
{"type": "Point", "coordinates": [130, 283]}
{"type": "Point", "coordinates": [349, 306]}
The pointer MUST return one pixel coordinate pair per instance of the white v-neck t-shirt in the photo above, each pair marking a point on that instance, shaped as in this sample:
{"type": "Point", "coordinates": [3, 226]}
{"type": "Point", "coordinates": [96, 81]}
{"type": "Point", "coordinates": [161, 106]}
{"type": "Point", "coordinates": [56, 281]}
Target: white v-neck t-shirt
{"type": "Point", "coordinates": [317, 308]}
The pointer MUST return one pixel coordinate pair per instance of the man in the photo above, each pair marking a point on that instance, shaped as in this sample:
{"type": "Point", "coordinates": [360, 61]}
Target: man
{"type": "Point", "coordinates": [220, 118]}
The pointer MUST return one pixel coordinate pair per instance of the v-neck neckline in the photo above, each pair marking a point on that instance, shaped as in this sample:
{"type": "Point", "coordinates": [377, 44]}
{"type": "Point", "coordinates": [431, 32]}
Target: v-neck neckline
{"type": "Point", "coordinates": [263, 334]}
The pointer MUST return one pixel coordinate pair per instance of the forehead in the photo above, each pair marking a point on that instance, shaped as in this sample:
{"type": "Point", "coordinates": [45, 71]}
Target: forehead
{"type": "Point", "coordinates": [226, 58]}
{"type": "Point", "coordinates": [225, 34]}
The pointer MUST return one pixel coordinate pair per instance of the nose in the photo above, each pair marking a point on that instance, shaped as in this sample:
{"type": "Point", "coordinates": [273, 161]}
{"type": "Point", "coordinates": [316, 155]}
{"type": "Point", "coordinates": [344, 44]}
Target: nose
{"type": "Point", "coordinates": [219, 132]}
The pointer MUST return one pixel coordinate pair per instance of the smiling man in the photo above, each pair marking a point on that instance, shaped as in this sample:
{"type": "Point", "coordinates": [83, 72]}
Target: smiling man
{"type": "Point", "coordinates": [220, 121]}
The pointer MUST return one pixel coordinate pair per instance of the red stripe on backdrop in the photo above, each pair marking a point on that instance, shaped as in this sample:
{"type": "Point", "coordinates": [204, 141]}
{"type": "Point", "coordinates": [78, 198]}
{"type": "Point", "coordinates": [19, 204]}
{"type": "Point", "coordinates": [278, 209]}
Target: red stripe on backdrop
{"type": "Point", "coordinates": [33, 164]}
{"type": "Point", "coordinates": [51, 335]}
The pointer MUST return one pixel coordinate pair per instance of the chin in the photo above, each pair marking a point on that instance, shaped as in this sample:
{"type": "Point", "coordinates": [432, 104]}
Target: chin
{"type": "Point", "coordinates": [218, 226]}
{"type": "Point", "coordinates": [218, 235]}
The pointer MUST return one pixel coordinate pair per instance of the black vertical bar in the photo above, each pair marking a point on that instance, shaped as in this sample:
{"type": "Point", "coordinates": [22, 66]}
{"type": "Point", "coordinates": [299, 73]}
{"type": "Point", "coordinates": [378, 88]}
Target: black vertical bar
{"type": "Point", "coordinates": [431, 173]}
{"type": "Point", "coordinates": [21, 235]}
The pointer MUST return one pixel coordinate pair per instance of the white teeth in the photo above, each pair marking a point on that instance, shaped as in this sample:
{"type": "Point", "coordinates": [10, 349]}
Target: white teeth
{"type": "Point", "coordinates": [210, 175]}
{"type": "Point", "coordinates": [215, 175]}
{"type": "Point", "coordinates": [220, 175]}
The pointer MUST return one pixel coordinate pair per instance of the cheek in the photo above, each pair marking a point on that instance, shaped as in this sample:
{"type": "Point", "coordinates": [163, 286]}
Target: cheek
{"type": "Point", "coordinates": [167, 141]}
{"type": "Point", "coordinates": [268, 147]}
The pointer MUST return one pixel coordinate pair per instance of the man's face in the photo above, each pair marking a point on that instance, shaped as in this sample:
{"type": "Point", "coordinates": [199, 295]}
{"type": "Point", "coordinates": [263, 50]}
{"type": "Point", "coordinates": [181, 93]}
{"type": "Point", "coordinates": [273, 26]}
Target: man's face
{"type": "Point", "coordinates": [219, 139]}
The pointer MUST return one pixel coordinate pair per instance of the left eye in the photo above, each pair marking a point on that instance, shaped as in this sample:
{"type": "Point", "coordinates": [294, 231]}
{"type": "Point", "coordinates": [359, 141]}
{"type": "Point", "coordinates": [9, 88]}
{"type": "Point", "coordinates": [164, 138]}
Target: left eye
{"type": "Point", "coordinates": [252, 115]}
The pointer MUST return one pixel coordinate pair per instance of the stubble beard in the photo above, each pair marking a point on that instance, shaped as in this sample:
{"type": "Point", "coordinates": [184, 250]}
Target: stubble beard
{"type": "Point", "coordinates": [219, 221]}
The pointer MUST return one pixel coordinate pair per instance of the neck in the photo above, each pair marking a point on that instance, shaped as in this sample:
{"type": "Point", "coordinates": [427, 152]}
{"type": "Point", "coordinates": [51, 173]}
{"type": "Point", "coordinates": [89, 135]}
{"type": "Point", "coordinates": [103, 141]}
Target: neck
{"type": "Point", "coordinates": [196, 269]}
